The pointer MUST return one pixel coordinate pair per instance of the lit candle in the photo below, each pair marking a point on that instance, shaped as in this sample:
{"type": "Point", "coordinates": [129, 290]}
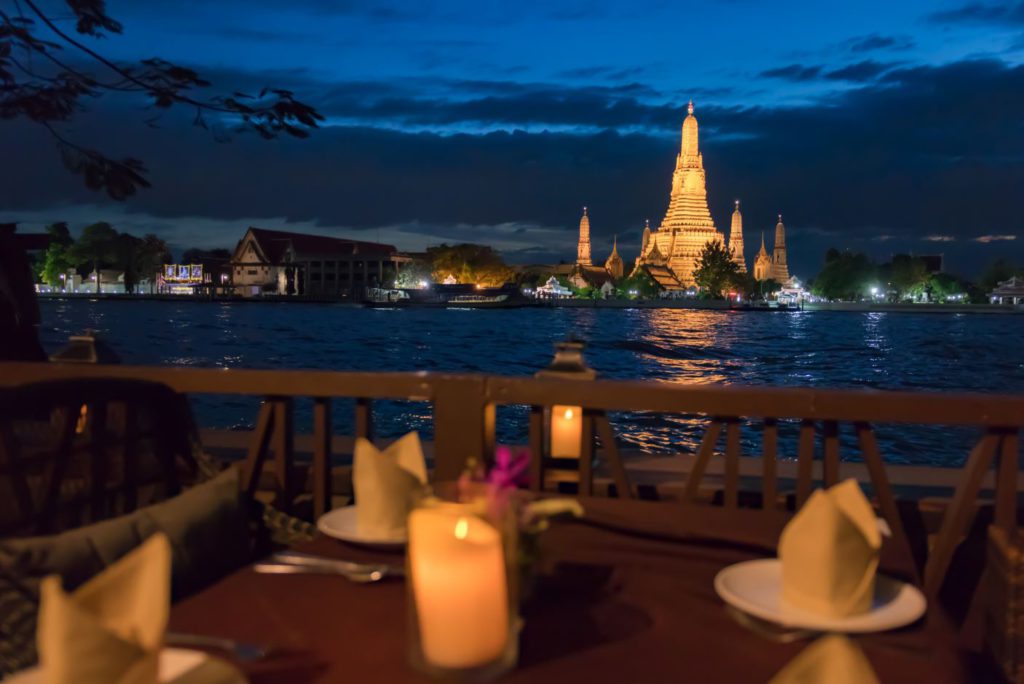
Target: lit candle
{"type": "Point", "coordinates": [566, 430]}
{"type": "Point", "coordinates": [459, 586]}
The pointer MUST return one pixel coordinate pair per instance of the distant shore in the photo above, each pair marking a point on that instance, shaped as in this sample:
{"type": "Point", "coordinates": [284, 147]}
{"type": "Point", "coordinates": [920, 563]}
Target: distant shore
{"type": "Point", "coordinates": [857, 307]}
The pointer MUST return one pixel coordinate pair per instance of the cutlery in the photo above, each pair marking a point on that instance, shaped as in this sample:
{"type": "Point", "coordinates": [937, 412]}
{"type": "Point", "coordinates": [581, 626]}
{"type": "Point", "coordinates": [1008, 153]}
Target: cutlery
{"type": "Point", "coordinates": [243, 653]}
{"type": "Point", "coordinates": [294, 562]}
{"type": "Point", "coordinates": [299, 558]}
{"type": "Point", "coordinates": [359, 577]}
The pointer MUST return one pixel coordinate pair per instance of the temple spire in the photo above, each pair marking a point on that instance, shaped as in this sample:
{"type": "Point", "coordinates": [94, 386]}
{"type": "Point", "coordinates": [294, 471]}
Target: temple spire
{"type": "Point", "coordinates": [689, 107]}
{"type": "Point", "coordinates": [736, 239]}
{"type": "Point", "coordinates": [780, 267]}
{"type": "Point", "coordinates": [583, 247]}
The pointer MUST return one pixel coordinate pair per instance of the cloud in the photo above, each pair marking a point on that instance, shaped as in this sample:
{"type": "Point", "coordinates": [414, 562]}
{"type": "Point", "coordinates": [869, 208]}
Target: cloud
{"type": "Point", "coordinates": [860, 72]}
{"type": "Point", "coordinates": [1006, 12]}
{"type": "Point", "coordinates": [898, 157]}
{"type": "Point", "coordinates": [873, 42]}
{"type": "Point", "coordinates": [939, 238]}
{"type": "Point", "coordinates": [793, 72]}
{"type": "Point", "coordinates": [985, 239]}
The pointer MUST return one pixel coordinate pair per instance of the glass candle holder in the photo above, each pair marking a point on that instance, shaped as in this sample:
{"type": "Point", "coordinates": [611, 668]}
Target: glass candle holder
{"type": "Point", "coordinates": [462, 584]}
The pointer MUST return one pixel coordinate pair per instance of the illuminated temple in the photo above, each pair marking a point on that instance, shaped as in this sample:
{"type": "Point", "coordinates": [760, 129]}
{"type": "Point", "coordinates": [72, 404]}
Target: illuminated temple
{"type": "Point", "coordinates": [687, 226]}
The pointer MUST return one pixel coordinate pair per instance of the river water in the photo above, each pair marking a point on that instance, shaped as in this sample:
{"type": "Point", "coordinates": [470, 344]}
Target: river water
{"type": "Point", "coordinates": [900, 351]}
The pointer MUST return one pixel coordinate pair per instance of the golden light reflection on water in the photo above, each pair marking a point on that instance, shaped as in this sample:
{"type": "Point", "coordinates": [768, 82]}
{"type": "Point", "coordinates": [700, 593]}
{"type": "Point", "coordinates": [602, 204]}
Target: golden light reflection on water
{"type": "Point", "coordinates": [685, 344]}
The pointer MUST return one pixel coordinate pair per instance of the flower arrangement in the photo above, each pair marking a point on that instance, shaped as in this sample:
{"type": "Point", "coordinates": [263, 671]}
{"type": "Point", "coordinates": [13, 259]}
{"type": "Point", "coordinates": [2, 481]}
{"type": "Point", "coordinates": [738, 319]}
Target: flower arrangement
{"type": "Point", "coordinates": [521, 516]}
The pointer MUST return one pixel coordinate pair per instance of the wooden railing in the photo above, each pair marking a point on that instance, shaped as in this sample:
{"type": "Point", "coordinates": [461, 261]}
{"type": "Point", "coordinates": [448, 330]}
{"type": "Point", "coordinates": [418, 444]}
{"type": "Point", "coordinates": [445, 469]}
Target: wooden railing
{"type": "Point", "coordinates": [464, 419]}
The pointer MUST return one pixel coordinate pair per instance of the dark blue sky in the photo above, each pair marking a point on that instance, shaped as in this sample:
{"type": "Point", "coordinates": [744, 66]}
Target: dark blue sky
{"type": "Point", "coordinates": [881, 126]}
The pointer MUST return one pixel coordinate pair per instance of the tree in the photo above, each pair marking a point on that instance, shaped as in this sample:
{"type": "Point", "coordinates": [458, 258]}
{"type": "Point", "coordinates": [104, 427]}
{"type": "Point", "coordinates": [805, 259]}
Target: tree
{"type": "Point", "coordinates": [469, 263]}
{"type": "Point", "coordinates": [942, 286]}
{"type": "Point", "coordinates": [639, 282]}
{"type": "Point", "coordinates": [45, 79]}
{"type": "Point", "coordinates": [745, 285]}
{"type": "Point", "coordinates": [150, 254]}
{"type": "Point", "coordinates": [906, 274]}
{"type": "Point", "coordinates": [715, 270]}
{"type": "Point", "coordinates": [96, 247]}
{"type": "Point", "coordinates": [768, 287]}
{"type": "Point", "coordinates": [56, 260]}
{"type": "Point", "coordinates": [413, 274]}
{"type": "Point", "coordinates": [996, 272]}
{"type": "Point", "coordinates": [846, 275]}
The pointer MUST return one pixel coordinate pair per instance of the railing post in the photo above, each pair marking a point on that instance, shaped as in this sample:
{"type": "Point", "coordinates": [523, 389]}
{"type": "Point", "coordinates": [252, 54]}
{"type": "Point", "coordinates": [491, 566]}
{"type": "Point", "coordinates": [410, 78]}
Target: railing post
{"type": "Point", "coordinates": [459, 413]}
{"type": "Point", "coordinates": [322, 435]}
{"type": "Point", "coordinates": [769, 471]}
{"type": "Point", "coordinates": [536, 448]}
{"type": "Point", "coordinates": [805, 462]}
{"type": "Point", "coordinates": [586, 485]}
{"type": "Point", "coordinates": [284, 451]}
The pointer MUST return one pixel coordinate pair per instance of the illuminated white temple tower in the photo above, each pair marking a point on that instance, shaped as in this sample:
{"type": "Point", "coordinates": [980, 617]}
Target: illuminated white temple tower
{"type": "Point", "coordinates": [687, 225]}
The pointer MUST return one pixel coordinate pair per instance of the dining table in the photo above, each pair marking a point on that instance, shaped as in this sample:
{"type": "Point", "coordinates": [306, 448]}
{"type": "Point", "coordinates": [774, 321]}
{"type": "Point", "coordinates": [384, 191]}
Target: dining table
{"type": "Point", "coordinates": [624, 593]}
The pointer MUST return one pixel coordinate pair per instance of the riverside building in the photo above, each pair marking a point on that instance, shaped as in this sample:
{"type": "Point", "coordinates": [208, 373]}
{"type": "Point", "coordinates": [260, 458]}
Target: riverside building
{"type": "Point", "coordinates": [283, 263]}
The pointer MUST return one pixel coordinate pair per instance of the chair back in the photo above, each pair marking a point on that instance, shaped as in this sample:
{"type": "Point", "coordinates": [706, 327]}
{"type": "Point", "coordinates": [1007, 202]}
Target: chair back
{"type": "Point", "coordinates": [74, 452]}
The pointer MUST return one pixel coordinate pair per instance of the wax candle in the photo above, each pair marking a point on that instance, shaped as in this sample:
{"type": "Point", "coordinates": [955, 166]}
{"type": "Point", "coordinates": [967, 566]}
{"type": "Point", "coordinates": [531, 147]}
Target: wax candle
{"type": "Point", "coordinates": [459, 586]}
{"type": "Point", "coordinates": [566, 430]}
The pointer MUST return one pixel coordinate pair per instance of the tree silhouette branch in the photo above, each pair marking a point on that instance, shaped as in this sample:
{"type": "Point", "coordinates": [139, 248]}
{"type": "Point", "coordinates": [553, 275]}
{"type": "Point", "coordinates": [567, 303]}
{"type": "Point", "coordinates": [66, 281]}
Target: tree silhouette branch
{"type": "Point", "coordinates": [48, 99]}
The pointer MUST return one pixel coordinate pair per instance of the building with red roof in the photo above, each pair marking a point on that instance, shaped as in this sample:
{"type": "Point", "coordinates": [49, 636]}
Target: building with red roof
{"type": "Point", "coordinates": [279, 262]}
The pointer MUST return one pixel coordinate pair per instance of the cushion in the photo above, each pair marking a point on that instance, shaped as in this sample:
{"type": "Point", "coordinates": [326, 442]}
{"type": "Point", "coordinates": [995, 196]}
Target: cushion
{"type": "Point", "coordinates": [207, 526]}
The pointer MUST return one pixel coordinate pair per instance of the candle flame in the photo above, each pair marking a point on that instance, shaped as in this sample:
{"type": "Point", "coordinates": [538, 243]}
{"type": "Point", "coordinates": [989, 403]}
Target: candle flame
{"type": "Point", "coordinates": [568, 414]}
{"type": "Point", "coordinates": [461, 528]}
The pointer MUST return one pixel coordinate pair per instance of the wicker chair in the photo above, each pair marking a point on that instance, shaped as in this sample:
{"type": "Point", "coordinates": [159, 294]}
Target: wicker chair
{"type": "Point", "coordinates": [79, 451]}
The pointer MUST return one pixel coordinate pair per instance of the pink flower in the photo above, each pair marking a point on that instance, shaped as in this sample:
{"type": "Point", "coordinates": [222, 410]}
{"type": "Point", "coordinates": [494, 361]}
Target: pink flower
{"type": "Point", "coordinates": [511, 468]}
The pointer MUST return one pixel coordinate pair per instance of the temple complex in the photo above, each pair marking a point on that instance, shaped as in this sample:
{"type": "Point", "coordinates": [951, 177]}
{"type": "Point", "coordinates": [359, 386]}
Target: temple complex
{"type": "Point", "coordinates": [583, 248]}
{"type": "Point", "coordinates": [736, 239]}
{"type": "Point", "coordinates": [687, 225]}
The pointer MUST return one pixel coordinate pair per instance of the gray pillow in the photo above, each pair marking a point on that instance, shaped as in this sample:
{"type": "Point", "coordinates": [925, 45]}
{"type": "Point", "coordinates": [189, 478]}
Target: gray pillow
{"type": "Point", "coordinates": [207, 526]}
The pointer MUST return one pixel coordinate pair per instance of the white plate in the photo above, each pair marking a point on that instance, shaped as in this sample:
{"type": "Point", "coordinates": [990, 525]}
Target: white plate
{"type": "Point", "coordinates": [341, 524]}
{"type": "Point", "coordinates": [175, 664]}
{"type": "Point", "coordinates": [755, 587]}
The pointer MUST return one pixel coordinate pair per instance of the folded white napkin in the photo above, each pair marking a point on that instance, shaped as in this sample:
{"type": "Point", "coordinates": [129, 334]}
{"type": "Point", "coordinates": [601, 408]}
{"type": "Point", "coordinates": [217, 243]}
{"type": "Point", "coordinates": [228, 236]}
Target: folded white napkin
{"type": "Point", "coordinates": [829, 553]}
{"type": "Point", "coordinates": [387, 484]}
{"type": "Point", "coordinates": [832, 659]}
{"type": "Point", "coordinates": [111, 629]}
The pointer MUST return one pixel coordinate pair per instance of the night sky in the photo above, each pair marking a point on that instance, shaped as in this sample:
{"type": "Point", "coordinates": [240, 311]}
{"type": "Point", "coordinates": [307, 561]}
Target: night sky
{"type": "Point", "coordinates": [878, 126]}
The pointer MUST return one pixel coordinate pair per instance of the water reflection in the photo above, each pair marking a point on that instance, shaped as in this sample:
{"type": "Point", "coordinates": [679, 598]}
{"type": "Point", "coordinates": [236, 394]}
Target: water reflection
{"type": "Point", "coordinates": [812, 349]}
{"type": "Point", "coordinates": [685, 346]}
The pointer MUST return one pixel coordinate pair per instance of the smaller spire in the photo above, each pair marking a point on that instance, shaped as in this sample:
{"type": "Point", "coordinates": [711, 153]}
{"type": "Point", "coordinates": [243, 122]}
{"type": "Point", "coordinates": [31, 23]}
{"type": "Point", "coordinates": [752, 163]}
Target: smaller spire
{"type": "Point", "coordinates": [737, 205]}
{"type": "Point", "coordinates": [762, 242]}
{"type": "Point", "coordinates": [780, 218]}
{"type": "Point", "coordinates": [689, 107]}
{"type": "Point", "coordinates": [647, 223]}
{"type": "Point", "coordinates": [585, 210]}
